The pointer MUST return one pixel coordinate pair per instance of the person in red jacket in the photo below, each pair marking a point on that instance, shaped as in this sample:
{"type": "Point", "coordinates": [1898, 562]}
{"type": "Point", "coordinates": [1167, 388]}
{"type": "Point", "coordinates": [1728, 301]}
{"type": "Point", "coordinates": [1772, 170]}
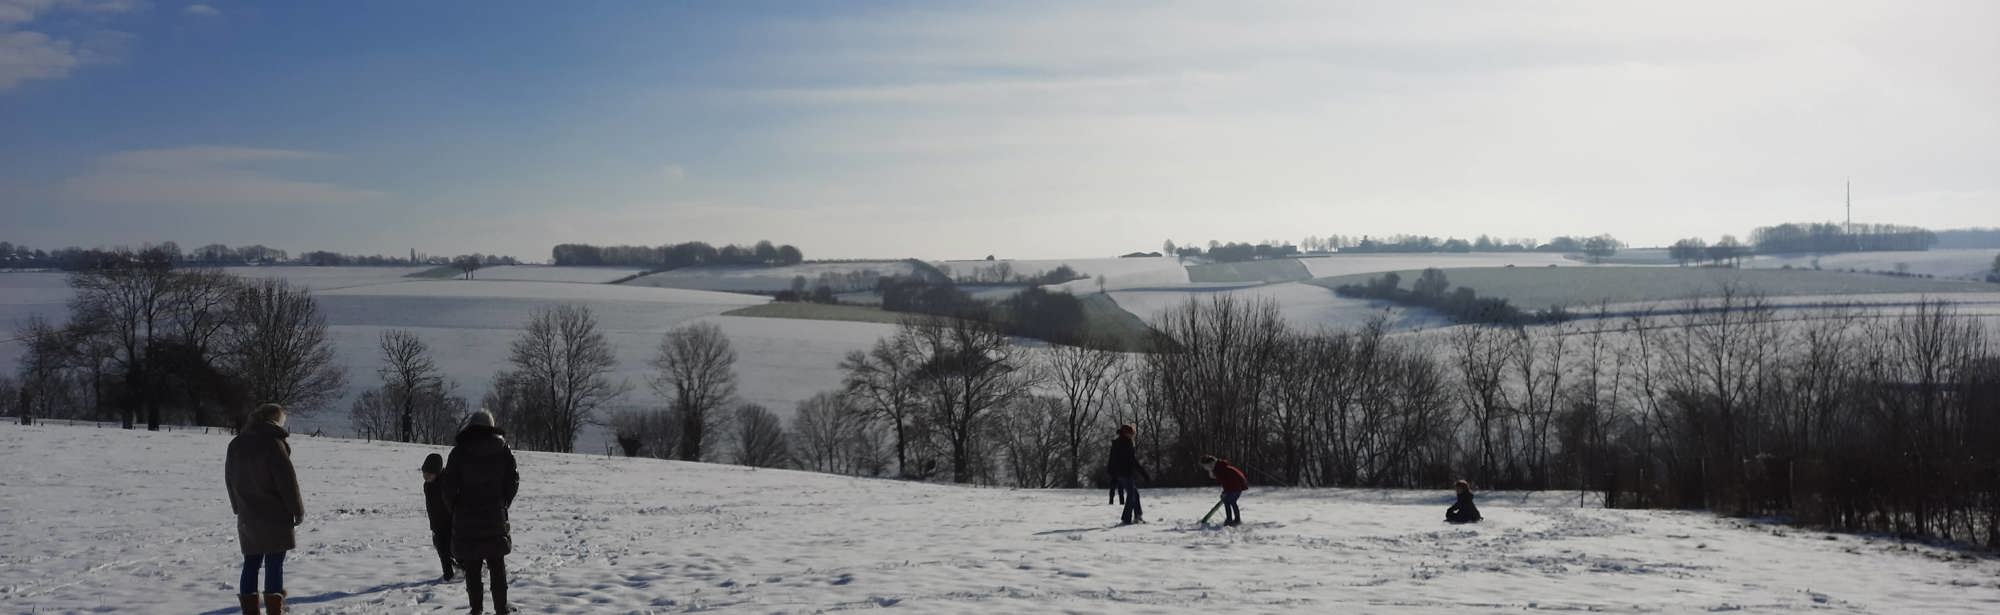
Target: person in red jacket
{"type": "Point", "coordinates": [1234, 483]}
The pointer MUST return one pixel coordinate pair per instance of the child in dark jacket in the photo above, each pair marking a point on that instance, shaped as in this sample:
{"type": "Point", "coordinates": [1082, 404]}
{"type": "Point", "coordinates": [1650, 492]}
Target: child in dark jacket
{"type": "Point", "coordinates": [1463, 511]}
{"type": "Point", "coordinates": [440, 516]}
{"type": "Point", "coordinates": [1234, 483]}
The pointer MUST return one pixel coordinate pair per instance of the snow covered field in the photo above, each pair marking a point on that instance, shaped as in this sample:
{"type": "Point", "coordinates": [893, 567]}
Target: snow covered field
{"type": "Point", "coordinates": [470, 324]}
{"type": "Point", "coordinates": [112, 520]}
{"type": "Point", "coordinates": [547, 273]}
{"type": "Point", "coordinates": [329, 278]}
{"type": "Point", "coordinates": [1119, 273]}
{"type": "Point", "coordinates": [747, 279]}
{"type": "Point", "coordinates": [1350, 264]}
{"type": "Point", "coordinates": [1957, 264]}
{"type": "Point", "coordinates": [1303, 306]}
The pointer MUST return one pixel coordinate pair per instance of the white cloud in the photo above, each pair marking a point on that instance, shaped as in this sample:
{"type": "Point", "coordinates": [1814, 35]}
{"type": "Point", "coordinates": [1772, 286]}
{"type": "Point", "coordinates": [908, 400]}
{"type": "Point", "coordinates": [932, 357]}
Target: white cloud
{"type": "Point", "coordinates": [33, 55]}
{"type": "Point", "coordinates": [27, 54]}
{"type": "Point", "coordinates": [202, 10]}
{"type": "Point", "coordinates": [206, 175]}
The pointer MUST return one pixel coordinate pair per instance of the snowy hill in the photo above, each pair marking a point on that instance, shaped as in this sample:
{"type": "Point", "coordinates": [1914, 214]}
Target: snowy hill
{"type": "Point", "coordinates": [111, 520]}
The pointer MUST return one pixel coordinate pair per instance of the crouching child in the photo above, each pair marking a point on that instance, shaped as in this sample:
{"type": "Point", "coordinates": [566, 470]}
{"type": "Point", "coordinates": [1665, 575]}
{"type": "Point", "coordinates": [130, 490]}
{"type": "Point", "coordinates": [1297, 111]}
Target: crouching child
{"type": "Point", "coordinates": [1463, 511]}
{"type": "Point", "coordinates": [1234, 483]}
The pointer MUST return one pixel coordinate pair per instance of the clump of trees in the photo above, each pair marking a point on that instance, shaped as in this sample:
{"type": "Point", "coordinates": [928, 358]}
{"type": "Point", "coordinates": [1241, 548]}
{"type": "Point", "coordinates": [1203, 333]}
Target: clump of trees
{"type": "Point", "coordinates": [559, 376]}
{"type": "Point", "coordinates": [415, 402]}
{"type": "Point", "coordinates": [148, 341]}
{"type": "Point", "coordinates": [1432, 289]}
{"type": "Point", "coordinates": [1968, 238]}
{"type": "Point", "coordinates": [1828, 238]}
{"type": "Point", "coordinates": [1727, 252]}
{"type": "Point", "coordinates": [1003, 273]}
{"type": "Point", "coordinates": [1865, 420]}
{"type": "Point", "coordinates": [1033, 312]}
{"type": "Point", "coordinates": [219, 255]}
{"type": "Point", "coordinates": [675, 256]}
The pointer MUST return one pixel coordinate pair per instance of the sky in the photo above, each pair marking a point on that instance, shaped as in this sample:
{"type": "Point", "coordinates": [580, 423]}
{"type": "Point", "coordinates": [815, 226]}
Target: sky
{"type": "Point", "coordinates": [955, 130]}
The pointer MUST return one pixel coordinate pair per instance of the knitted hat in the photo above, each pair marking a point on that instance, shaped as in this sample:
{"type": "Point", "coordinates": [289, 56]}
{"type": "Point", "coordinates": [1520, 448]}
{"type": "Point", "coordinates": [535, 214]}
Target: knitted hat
{"type": "Point", "coordinates": [482, 418]}
{"type": "Point", "coordinates": [1127, 429]}
{"type": "Point", "coordinates": [434, 464]}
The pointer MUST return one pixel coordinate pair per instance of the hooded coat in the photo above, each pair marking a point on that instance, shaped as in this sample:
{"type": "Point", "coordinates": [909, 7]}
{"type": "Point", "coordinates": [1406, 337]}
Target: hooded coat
{"type": "Point", "coordinates": [263, 489]}
{"type": "Point", "coordinates": [1124, 461]}
{"type": "Point", "coordinates": [1232, 479]}
{"type": "Point", "coordinates": [479, 484]}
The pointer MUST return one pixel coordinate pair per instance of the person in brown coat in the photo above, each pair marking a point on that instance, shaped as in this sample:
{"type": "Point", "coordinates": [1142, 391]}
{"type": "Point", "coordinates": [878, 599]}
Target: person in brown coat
{"type": "Point", "coordinates": [479, 484]}
{"type": "Point", "coordinates": [264, 494]}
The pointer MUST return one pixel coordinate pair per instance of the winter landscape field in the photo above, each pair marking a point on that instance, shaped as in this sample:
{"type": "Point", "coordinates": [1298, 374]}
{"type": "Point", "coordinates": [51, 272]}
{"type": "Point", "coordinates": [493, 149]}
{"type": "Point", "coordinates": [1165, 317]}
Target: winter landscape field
{"type": "Point", "coordinates": [101, 520]}
{"type": "Point", "coordinates": [470, 324]}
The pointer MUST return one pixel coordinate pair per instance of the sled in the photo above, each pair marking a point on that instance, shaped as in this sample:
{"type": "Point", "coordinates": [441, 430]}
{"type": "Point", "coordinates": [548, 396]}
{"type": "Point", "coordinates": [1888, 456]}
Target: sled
{"type": "Point", "coordinates": [1211, 512]}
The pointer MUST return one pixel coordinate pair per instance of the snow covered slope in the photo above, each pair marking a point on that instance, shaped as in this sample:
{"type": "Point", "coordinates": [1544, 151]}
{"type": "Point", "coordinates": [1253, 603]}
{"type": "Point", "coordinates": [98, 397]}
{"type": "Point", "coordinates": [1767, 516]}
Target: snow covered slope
{"type": "Point", "coordinates": [547, 273]}
{"type": "Point", "coordinates": [470, 324]}
{"type": "Point", "coordinates": [110, 520]}
{"type": "Point", "coordinates": [1350, 264]}
{"type": "Point", "coordinates": [1956, 264]}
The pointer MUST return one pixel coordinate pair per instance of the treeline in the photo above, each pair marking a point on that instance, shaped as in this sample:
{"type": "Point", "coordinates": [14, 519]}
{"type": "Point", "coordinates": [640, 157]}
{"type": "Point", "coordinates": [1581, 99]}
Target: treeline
{"type": "Point", "coordinates": [674, 256]}
{"type": "Point", "coordinates": [1033, 312]}
{"type": "Point", "coordinates": [323, 258]}
{"type": "Point", "coordinates": [1827, 237]}
{"type": "Point", "coordinates": [1968, 238]}
{"type": "Point", "coordinates": [1462, 305]}
{"type": "Point", "coordinates": [1004, 273]}
{"type": "Point", "coordinates": [1726, 252]}
{"type": "Point", "coordinates": [1394, 244]}
{"type": "Point", "coordinates": [1860, 420]}
{"type": "Point", "coordinates": [14, 256]}
{"type": "Point", "coordinates": [146, 341]}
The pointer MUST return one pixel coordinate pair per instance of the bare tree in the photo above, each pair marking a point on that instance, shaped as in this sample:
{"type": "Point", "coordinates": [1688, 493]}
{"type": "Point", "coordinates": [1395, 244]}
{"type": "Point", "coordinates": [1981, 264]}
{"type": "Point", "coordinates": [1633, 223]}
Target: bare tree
{"type": "Point", "coordinates": [695, 371]}
{"type": "Point", "coordinates": [1480, 357]}
{"type": "Point", "coordinates": [1085, 378]}
{"type": "Point", "coordinates": [467, 264]}
{"type": "Point", "coordinates": [414, 403]}
{"type": "Point", "coordinates": [882, 382]}
{"type": "Point", "coordinates": [1032, 435]}
{"type": "Point", "coordinates": [967, 369]}
{"type": "Point", "coordinates": [408, 373]}
{"type": "Point", "coordinates": [278, 347]}
{"type": "Point", "coordinates": [830, 434]}
{"type": "Point", "coordinates": [130, 297]}
{"type": "Point", "coordinates": [629, 428]}
{"type": "Point", "coordinates": [566, 362]}
{"type": "Point", "coordinates": [760, 438]}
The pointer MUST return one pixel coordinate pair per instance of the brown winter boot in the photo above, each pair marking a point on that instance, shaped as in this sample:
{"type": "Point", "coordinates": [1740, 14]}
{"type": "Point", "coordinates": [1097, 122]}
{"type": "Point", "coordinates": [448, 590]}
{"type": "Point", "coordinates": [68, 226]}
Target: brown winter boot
{"type": "Point", "coordinates": [249, 602]}
{"type": "Point", "coordinates": [274, 604]}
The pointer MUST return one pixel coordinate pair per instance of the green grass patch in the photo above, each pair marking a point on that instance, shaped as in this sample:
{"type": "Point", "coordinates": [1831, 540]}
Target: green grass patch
{"type": "Point", "coordinates": [1270, 271]}
{"type": "Point", "coordinates": [820, 311]}
{"type": "Point", "coordinates": [441, 272]}
{"type": "Point", "coordinates": [1534, 288]}
{"type": "Point", "coordinates": [1111, 323]}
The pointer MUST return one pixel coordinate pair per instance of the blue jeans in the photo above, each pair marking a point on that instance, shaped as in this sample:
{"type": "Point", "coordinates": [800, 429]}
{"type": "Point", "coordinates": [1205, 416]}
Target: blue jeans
{"type": "Point", "coordinates": [1133, 513]}
{"type": "Point", "coordinates": [1230, 511]}
{"type": "Point", "coordinates": [274, 572]}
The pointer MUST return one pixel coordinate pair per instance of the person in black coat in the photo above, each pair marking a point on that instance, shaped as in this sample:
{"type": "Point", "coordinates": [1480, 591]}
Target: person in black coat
{"type": "Point", "coordinates": [1463, 511]}
{"type": "Point", "coordinates": [479, 484]}
{"type": "Point", "coordinates": [440, 515]}
{"type": "Point", "coordinates": [1125, 473]}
